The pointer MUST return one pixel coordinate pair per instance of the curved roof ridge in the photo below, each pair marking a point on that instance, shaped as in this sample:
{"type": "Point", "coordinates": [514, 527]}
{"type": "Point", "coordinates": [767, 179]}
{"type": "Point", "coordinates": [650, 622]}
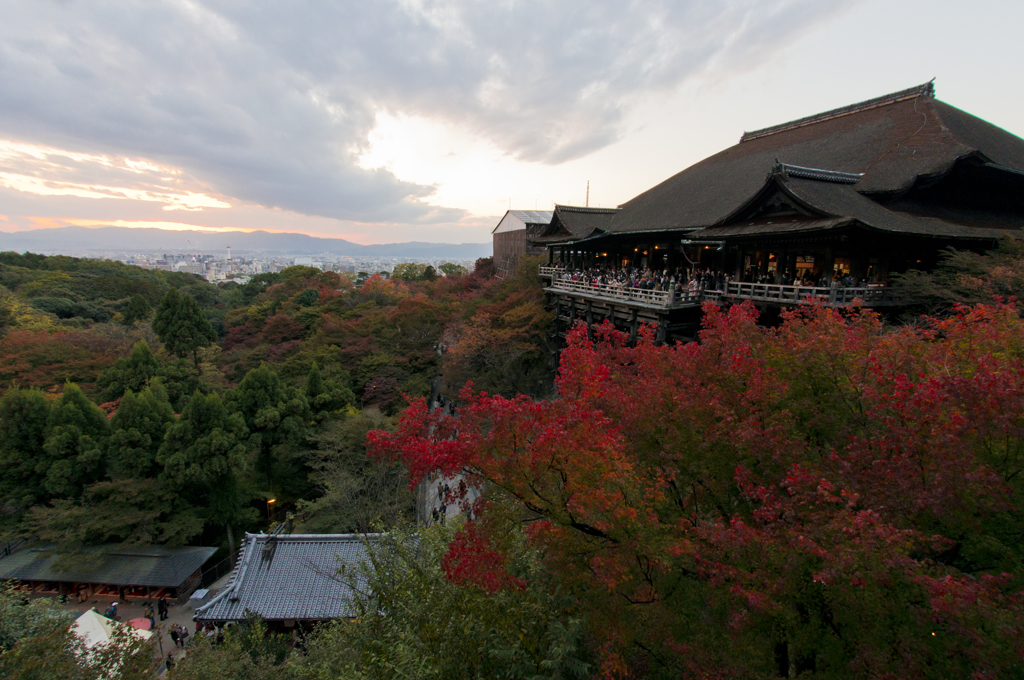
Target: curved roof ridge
{"type": "Point", "coordinates": [925, 90]}
{"type": "Point", "coordinates": [584, 209]}
{"type": "Point", "coordinates": [820, 174]}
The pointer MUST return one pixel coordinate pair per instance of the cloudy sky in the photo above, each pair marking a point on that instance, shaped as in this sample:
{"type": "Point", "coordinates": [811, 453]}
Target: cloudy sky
{"type": "Point", "coordinates": [399, 120]}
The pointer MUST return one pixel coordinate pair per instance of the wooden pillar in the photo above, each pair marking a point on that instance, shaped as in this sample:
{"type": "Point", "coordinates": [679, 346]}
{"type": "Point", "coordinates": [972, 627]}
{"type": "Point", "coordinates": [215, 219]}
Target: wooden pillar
{"type": "Point", "coordinates": [558, 313]}
{"type": "Point", "coordinates": [781, 259]}
{"type": "Point", "coordinates": [883, 268]}
{"type": "Point", "coordinates": [858, 265]}
{"type": "Point", "coordinates": [828, 262]}
{"type": "Point", "coordinates": [762, 262]}
{"type": "Point", "coordinates": [634, 326]}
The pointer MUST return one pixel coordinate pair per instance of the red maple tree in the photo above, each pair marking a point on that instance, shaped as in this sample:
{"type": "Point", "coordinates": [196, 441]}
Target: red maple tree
{"type": "Point", "coordinates": [830, 495]}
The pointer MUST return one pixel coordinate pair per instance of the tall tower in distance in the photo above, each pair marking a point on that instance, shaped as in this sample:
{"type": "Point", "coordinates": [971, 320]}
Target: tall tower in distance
{"type": "Point", "coordinates": [229, 252]}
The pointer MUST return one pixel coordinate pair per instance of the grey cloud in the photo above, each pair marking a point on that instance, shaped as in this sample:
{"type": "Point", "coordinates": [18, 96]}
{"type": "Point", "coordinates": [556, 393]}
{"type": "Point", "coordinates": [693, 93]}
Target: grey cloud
{"type": "Point", "coordinates": [272, 102]}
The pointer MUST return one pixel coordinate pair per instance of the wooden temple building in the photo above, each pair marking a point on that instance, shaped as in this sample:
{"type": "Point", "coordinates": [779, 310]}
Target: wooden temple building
{"type": "Point", "coordinates": [113, 572]}
{"type": "Point", "coordinates": [510, 238]}
{"type": "Point", "coordinates": [288, 579]}
{"type": "Point", "coordinates": [855, 195]}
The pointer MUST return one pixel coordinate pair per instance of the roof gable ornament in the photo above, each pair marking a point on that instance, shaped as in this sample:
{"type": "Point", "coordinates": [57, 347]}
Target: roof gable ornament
{"type": "Point", "coordinates": [926, 90]}
{"type": "Point", "coordinates": [785, 170]}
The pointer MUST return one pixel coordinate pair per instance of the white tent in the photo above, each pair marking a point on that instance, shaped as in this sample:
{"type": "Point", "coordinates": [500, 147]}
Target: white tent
{"type": "Point", "coordinates": [95, 629]}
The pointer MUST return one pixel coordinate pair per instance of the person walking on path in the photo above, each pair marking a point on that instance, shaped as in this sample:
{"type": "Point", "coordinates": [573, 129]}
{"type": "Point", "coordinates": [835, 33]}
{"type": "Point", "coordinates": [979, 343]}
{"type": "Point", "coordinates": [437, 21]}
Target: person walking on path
{"type": "Point", "coordinates": [161, 608]}
{"type": "Point", "coordinates": [175, 635]}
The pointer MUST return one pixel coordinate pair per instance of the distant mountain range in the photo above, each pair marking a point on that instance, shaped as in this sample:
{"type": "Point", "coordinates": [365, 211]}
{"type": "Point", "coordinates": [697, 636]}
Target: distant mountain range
{"type": "Point", "coordinates": [82, 242]}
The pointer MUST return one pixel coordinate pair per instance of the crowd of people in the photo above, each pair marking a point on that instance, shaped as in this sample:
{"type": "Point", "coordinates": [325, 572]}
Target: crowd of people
{"type": "Point", "coordinates": [805, 278]}
{"type": "Point", "coordinates": [694, 279]}
{"type": "Point", "coordinates": [179, 634]}
{"type": "Point", "coordinates": [691, 279]}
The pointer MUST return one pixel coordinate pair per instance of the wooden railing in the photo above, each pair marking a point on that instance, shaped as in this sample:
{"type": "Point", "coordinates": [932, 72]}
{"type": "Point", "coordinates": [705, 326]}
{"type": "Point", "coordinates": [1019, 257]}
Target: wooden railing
{"type": "Point", "coordinates": [549, 271]}
{"type": "Point", "coordinates": [762, 292]}
{"type": "Point", "coordinates": [657, 298]}
{"type": "Point", "coordinates": [833, 295]}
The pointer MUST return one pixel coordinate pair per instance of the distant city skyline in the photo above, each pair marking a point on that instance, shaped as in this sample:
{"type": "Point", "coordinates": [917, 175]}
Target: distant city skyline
{"type": "Point", "coordinates": [419, 121]}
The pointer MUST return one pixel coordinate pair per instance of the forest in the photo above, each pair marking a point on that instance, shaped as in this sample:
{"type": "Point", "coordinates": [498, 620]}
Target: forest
{"type": "Point", "coordinates": [838, 495]}
{"type": "Point", "coordinates": [153, 407]}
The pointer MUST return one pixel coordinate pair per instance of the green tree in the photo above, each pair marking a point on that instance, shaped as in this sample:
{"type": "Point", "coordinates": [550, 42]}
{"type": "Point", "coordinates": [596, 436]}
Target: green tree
{"type": "Point", "coordinates": [449, 269]}
{"type": "Point", "coordinates": [356, 492]}
{"type": "Point", "coordinates": [181, 326]}
{"type": "Point", "coordinates": [203, 457]}
{"type": "Point", "coordinates": [308, 297]}
{"type": "Point", "coordinates": [20, 619]}
{"type": "Point", "coordinates": [131, 373]}
{"type": "Point", "coordinates": [137, 431]}
{"type": "Point", "coordinates": [409, 271]}
{"type": "Point", "coordinates": [73, 450]}
{"type": "Point", "coordinates": [7, 313]}
{"type": "Point", "coordinates": [37, 643]}
{"type": "Point", "coordinates": [181, 379]}
{"type": "Point", "coordinates": [126, 511]}
{"type": "Point", "coordinates": [138, 309]}
{"type": "Point", "coordinates": [24, 414]}
{"type": "Point", "coordinates": [324, 396]}
{"type": "Point", "coordinates": [967, 277]}
{"type": "Point", "coordinates": [412, 621]}
{"type": "Point", "coordinates": [276, 416]}
{"type": "Point", "coordinates": [249, 651]}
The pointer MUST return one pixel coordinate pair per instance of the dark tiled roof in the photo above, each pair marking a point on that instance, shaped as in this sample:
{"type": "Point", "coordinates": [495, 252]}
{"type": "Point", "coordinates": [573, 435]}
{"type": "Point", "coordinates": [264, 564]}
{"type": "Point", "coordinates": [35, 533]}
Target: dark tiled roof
{"type": "Point", "coordinates": [890, 143]}
{"type": "Point", "coordinates": [287, 577]}
{"type": "Point", "coordinates": [831, 205]}
{"type": "Point", "coordinates": [154, 566]}
{"type": "Point", "coordinates": [844, 201]}
{"type": "Point", "coordinates": [572, 223]}
{"type": "Point", "coordinates": [926, 90]}
{"type": "Point", "coordinates": [776, 226]}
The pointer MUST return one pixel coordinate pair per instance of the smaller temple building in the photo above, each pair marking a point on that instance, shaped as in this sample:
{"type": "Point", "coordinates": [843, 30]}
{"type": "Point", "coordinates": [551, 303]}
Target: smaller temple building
{"type": "Point", "coordinates": [288, 580]}
{"type": "Point", "coordinates": [512, 238]}
{"type": "Point", "coordinates": [138, 572]}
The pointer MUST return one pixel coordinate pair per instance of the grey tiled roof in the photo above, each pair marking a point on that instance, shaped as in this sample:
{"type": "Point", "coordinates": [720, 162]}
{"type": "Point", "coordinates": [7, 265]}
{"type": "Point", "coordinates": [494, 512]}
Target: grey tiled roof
{"type": "Point", "coordinates": [287, 577]}
{"type": "Point", "coordinates": [151, 565]}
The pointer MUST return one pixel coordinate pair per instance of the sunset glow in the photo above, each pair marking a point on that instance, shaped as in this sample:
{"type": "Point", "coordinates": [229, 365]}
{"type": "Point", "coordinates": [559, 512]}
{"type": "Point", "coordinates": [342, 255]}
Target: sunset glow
{"type": "Point", "coordinates": [374, 142]}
